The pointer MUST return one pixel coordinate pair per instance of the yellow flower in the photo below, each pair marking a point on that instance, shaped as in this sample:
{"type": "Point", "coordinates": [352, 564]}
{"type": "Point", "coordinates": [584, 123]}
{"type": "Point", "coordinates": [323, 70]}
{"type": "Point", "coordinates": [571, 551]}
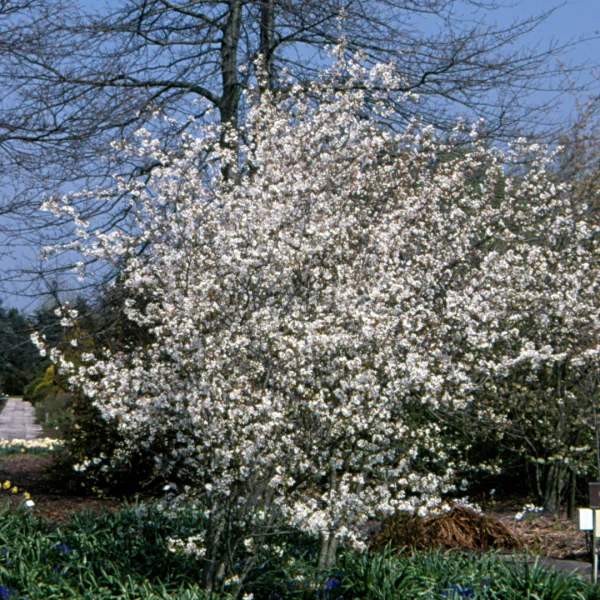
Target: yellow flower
{"type": "Point", "coordinates": [27, 495]}
{"type": "Point", "coordinates": [6, 484]}
{"type": "Point", "coordinates": [15, 490]}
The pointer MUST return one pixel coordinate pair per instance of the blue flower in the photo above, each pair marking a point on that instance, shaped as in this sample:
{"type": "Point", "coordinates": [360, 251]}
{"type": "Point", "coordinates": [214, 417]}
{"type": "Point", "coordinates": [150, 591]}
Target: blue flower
{"type": "Point", "coordinates": [6, 593]}
{"type": "Point", "coordinates": [332, 583]}
{"type": "Point", "coordinates": [63, 548]}
{"type": "Point", "coordinates": [453, 590]}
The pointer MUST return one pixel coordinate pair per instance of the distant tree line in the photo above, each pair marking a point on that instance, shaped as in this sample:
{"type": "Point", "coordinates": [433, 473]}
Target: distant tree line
{"type": "Point", "coordinates": [20, 360]}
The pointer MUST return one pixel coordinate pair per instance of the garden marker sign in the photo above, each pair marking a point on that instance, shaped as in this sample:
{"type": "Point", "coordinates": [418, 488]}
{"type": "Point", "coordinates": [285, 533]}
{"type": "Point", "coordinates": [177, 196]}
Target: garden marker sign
{"type": "Point", "coordinates": [589, 520]}
{"type": "Point", "coordinates": [586, 519]}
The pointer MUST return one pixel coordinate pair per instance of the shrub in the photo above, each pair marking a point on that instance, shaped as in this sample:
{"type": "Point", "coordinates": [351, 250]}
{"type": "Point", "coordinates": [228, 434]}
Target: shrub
{"type": "Point", "coordinates": [92, 444]}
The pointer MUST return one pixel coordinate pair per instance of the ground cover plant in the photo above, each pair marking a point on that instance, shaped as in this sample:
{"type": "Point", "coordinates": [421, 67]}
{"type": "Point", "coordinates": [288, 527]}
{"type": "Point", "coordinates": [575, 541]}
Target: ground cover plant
{"type": "Point", "coordinates": [129, 554]}
{"type": "Point", "coordinates": [122, 555]}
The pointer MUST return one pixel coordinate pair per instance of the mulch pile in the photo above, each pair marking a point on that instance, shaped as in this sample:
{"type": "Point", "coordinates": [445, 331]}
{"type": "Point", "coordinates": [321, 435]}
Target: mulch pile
{"type": "Point", "coordinates": [466, 529]}
{"type": "Point", "coordinates": [461, 527]}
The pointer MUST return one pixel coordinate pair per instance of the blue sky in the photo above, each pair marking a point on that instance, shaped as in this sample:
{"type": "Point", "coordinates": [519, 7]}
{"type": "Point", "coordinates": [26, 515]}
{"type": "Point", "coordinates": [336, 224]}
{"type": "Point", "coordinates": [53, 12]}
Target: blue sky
{"type": "Point", "coordinates": [570, 21]}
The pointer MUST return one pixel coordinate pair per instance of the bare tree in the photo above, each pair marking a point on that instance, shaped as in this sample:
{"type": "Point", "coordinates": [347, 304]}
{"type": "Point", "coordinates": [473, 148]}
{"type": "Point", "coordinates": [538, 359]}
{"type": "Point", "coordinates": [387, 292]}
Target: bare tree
{"type": "Point", "coordinates": [74, 79]}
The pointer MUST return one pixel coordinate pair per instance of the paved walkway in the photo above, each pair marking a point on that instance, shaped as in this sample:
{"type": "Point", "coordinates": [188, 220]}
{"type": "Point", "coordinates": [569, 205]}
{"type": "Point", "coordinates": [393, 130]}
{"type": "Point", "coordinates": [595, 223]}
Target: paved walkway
{"type": "Point", "coordinates": [583, 569]}
{"type": "Point", "coordinates": [17, 421]}
{"type": "Point", "coordinates": [567, 567]}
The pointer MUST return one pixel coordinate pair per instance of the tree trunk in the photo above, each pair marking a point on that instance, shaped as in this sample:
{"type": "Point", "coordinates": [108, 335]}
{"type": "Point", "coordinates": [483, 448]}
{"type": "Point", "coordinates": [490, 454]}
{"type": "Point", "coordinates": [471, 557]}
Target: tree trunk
{"type": "Point", "coordinates": [538, 481]}
{"type": "Point", "coordinates": [329, 544]}
{"type": "Point", "coordinates": [211, 565]}
{"type": "Point", "coordinates": [230, 99]}
{"type": "Point", "coordinates": [553, 487]}
{"type": "Point", "coordinates": [572, 494]}
{"type": "Point", "coordinates": [267, 40]}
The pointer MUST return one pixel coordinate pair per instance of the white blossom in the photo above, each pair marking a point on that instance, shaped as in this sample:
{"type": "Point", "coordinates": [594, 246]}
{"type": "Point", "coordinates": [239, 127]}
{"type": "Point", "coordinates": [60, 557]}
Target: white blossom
{"type": "Point", "coordinates": [311, 317]}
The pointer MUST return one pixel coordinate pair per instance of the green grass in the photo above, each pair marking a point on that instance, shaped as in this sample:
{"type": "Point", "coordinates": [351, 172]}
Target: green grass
{"type": "Point", "coordinates": [435, 574]}
{"type": "Point", "coordinates": [125, 555]}
{"type": "Point", "coordinates": [120, 556]}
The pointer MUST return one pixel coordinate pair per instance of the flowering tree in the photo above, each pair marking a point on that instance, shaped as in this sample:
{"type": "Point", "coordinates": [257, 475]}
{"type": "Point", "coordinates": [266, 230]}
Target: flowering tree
{"type": "Point", "coordinates": [548, 417]}
{"type": "Point", "coordinates": [309, 320]}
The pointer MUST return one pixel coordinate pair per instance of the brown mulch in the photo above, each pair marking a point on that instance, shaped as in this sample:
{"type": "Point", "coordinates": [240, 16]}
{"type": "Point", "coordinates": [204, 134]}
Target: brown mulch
{"type": "Point", "coordinates": [37, 475]}
{"type": "Point", "coordinates": [466, 529]}
{"type": "Point", "coordinates": [556, 537]}
{"type": "Point", "coordinates": [460, 527]}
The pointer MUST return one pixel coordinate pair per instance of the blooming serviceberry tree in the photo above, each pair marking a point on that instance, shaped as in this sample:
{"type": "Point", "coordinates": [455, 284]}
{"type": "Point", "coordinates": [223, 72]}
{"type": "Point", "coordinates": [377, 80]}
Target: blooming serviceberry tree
{"type": "Point", "coordinates": [309, 319]}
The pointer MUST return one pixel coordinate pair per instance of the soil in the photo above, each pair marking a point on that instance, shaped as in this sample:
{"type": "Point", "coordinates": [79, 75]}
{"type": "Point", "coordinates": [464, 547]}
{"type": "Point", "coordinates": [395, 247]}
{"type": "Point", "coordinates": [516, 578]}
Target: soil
{"type": "Point", "coordinates": [37, 475]}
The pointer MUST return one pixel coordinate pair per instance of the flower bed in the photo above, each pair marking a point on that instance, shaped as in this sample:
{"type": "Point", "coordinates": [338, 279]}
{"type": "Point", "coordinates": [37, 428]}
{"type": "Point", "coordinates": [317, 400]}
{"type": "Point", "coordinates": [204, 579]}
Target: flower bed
{"type": "Point", "coordinates": [38, 446]}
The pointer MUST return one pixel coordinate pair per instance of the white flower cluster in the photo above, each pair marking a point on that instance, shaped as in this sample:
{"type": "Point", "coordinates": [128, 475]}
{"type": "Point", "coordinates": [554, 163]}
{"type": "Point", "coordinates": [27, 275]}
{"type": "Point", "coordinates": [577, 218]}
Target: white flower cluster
{"type": "Point", "coordinates": [528, 509]}
{"type": "Point", "coordinates": [191, 546]}
{"type": "Point", "coordinates": [89, 462]}
{"type": "Point", "coordinates": [312, 315]}
{"type": "Point", "coordinates": [446, 507]}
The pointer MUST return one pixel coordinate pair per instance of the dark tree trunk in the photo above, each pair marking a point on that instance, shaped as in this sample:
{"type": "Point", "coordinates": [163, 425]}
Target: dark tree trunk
{"type": "Point", "coordinates": [572, 494]}
{"type": "Point", "coordinates": [550, 499]}
{"type": "Point", "coordinates": [267, 40]}
{"type": "Point", "coordinates": [554, 484]}
{"type": "Point", "coordinates": [230, 99]}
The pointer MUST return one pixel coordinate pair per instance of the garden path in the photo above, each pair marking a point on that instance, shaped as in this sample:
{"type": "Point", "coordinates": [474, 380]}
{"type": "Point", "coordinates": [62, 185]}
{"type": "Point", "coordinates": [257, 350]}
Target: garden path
{"type": "Point", "coordinates": [568, 567]}
{"type": "Point", "coordinates": [17, 421]}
